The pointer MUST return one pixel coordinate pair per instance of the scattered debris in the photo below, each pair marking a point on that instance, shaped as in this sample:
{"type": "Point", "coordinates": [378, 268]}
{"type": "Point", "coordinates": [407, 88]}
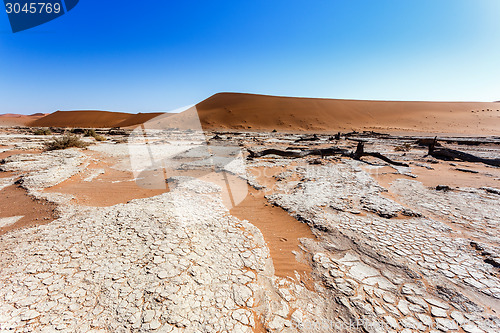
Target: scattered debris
{"type": "Point", "coordinates": [466, 170]}
{"type": "Point", "coordinates": [452, 154]}
{"type": "Point", "coordinates": [300, 153]}
{"type": "Point", "coordinates": [444, 188]}
{"type": "Point", "coordinates": [491, 190]}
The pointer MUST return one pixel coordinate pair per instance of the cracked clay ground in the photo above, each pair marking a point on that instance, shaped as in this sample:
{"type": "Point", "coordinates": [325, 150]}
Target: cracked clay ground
{"type": "Point", "coordinates": [337, 245]}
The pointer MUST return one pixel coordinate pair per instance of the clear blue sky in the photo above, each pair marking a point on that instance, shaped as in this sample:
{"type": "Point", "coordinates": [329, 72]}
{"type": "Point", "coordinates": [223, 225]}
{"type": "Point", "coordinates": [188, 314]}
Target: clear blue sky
{"type": "Point", "coordinates": [142, 56]}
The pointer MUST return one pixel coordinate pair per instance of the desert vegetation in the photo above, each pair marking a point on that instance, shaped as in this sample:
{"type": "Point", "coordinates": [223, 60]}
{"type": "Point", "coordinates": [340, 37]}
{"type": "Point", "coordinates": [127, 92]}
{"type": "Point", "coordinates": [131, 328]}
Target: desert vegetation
{"type": "Point", "coordinates": [68, 140]}
{"type": "Point", "coordinates": [42, 131]}
{"type": "Point", "coordinates": [92, 133]}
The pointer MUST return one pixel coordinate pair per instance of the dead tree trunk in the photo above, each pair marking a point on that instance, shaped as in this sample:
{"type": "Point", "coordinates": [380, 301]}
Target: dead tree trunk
{"type": "Point", "coordinates": [325, 152]}
{"type": "Point", "coordinates": [300, 153]}
{"type": "Point", "coordinates": [360, 152]}
{"type": "Point", "coordinates": [452, 154]}
{"type": "Point", "coordinates": [386, 159]}
{"type": "Point", "coordinates": [432, 145]}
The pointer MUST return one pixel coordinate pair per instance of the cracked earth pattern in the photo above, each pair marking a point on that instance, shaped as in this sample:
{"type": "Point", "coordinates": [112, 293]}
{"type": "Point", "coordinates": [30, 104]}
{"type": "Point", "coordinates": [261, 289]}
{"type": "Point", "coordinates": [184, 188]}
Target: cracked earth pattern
{"type": "Point", "coordinates": [419, 260]}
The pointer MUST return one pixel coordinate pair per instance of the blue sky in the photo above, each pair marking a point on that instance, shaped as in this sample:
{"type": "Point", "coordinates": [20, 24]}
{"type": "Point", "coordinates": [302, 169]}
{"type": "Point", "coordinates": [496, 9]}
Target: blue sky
{"type": "Point", "coordinates": [144, 56]}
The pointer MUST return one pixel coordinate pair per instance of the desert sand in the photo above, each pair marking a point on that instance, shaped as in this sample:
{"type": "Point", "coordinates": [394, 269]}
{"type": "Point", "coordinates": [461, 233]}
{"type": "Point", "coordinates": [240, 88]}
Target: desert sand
{"type": "Point", "coordinates": [236, 111]}
{"type": "Point", "coordinates": [259, 112]}
{"type": "Point", "coordinates": [319, 244]}
{"type": "Point", "coordinates": [239, 240]}
{"type": "Point", "coordinates": [10, 119]}
{"type": "Point", "coordinates": [92, 118]}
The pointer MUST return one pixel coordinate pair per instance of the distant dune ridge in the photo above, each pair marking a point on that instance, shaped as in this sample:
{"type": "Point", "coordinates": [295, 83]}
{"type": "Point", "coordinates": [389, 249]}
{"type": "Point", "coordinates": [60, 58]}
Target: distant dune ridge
{"type": "Point", "coordinates": [258, 112]}
{"type": "Point", "coordinates": [93, 119]}
{"type": "Point", "coordinates": [10, 119]}
{"type": "Point", "coordinates": [137, 119]}
{"type": "Point", "coordinates": [237, 111]}
{"type": "Point", "coordinates": [15, 115]}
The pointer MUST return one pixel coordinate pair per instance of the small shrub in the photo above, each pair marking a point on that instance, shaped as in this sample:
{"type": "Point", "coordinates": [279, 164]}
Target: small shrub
{"type": "Point", "coordinates": [91, 132]}
{"type": "Point", "coordinates": [66, 141]}
{"type": "Point", "coordinates": [42, 131]}
{"type": "Point", "coordinates": [404, 147]}
{"type": "Point", "coordinates": [100, 138]}
{"type": "Point", "coordinates": [77, 130]}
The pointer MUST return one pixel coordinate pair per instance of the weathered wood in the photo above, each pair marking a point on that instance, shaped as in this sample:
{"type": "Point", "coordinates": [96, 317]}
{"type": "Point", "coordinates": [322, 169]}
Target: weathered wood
{"type": "Point", "coordinates": [325, 152]}
{"type": "Point", "coordinates": [448, 154]}
{"type": "Point", "coordinates": [313, 138]}
{"type": "Point", "coordinates": [300, 153]}
{"type": "Point", "coordinates": [452, 154]}
{"type": "Point", "coordinates": [432, 145]}
{"type": "Point", "coordinates": [284, 153]}
{"type": "Point", "coordinates": [384, 158]}
{"type": "Point", "coordinates": [335, 137]}
{"type": "Point", "coordinates": [360, 152]}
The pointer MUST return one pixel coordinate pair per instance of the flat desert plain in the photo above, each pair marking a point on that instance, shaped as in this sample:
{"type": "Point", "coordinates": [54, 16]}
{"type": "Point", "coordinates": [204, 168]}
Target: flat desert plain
{"type": "Point", "coordinates": [250, 213]}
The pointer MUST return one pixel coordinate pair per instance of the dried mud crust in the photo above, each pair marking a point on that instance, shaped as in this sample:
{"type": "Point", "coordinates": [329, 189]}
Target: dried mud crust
{"type": "Point", "coordinates": [134, 266]}
{"type": "Point", "coordinates": [411, 259]}
{"type": "Point", "coordinates": [174, 262]}
{"type": "Point", "coordinates": [408, 273]}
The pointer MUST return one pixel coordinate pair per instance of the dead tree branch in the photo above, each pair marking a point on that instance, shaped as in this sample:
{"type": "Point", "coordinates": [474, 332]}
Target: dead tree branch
{"type": "Point", "coordinates": [300, 153]}
{"type": "Point", "coordinates": [452, 154]}
{"type": "Point", "coordinates": [360, 152]}
{"type": "Point", "coordinates": [325, 152]}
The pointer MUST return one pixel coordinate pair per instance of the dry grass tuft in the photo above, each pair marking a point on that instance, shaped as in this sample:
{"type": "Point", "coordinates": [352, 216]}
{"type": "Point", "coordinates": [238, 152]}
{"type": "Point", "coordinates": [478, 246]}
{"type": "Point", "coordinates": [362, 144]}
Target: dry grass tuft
{"type": "Point", "coordinates": [66, 141]}
{"type": "Point", "coordinates": [91, 132]}
{"type": "Point", "coordinates": [42, 131]}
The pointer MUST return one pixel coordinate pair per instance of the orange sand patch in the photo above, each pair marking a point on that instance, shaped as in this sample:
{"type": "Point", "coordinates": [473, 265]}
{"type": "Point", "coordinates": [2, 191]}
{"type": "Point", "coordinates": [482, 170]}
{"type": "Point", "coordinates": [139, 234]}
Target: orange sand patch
{"type": "Point", "coordinates": [7, 174]}
{"type": "Point", "coordinates": [15, 201]}
{"type": "Point", "coordinates": [12, 152]}
{"type": "Point", "coordinates": [446, 174]}
{"type": "Point", "coordinates": [443, 173]}
{"type": "Point", "coordinates": [108, 189]}
{"type": "Point", "coordinates": [281, 233]}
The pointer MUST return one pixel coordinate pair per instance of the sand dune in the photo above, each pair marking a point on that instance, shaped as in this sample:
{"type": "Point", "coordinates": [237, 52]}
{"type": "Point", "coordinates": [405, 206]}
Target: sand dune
{"type": "Point", "coordinates": [92, 118]}
{"type": "Point", "coordinates": [81, 119]}
{"type": "Point", "coordinates": [11, 119]}
{"type": "Point", "coordinates": [138, 119]}
{"type": "Point", "coordinates": [236, 111]}
{"type": "Point", "coordinates": [259, 112]}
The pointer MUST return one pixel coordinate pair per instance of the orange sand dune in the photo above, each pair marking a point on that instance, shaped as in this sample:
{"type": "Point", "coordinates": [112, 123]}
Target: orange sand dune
{"type": "Point", "coordinates": [11, 115]}
{"type": "Point", "coordinates": [92, 118]}
{"type": "Point", "coordinates": [259, 112]}
{"type": "Point", "coordinates": [11, 119]}
{"type": "Point", "coordinates": [138, 119]}
{"type": "Point", "coordinates": [81, 119]}
{"type": "Point", "coordinates": [236, 111]}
